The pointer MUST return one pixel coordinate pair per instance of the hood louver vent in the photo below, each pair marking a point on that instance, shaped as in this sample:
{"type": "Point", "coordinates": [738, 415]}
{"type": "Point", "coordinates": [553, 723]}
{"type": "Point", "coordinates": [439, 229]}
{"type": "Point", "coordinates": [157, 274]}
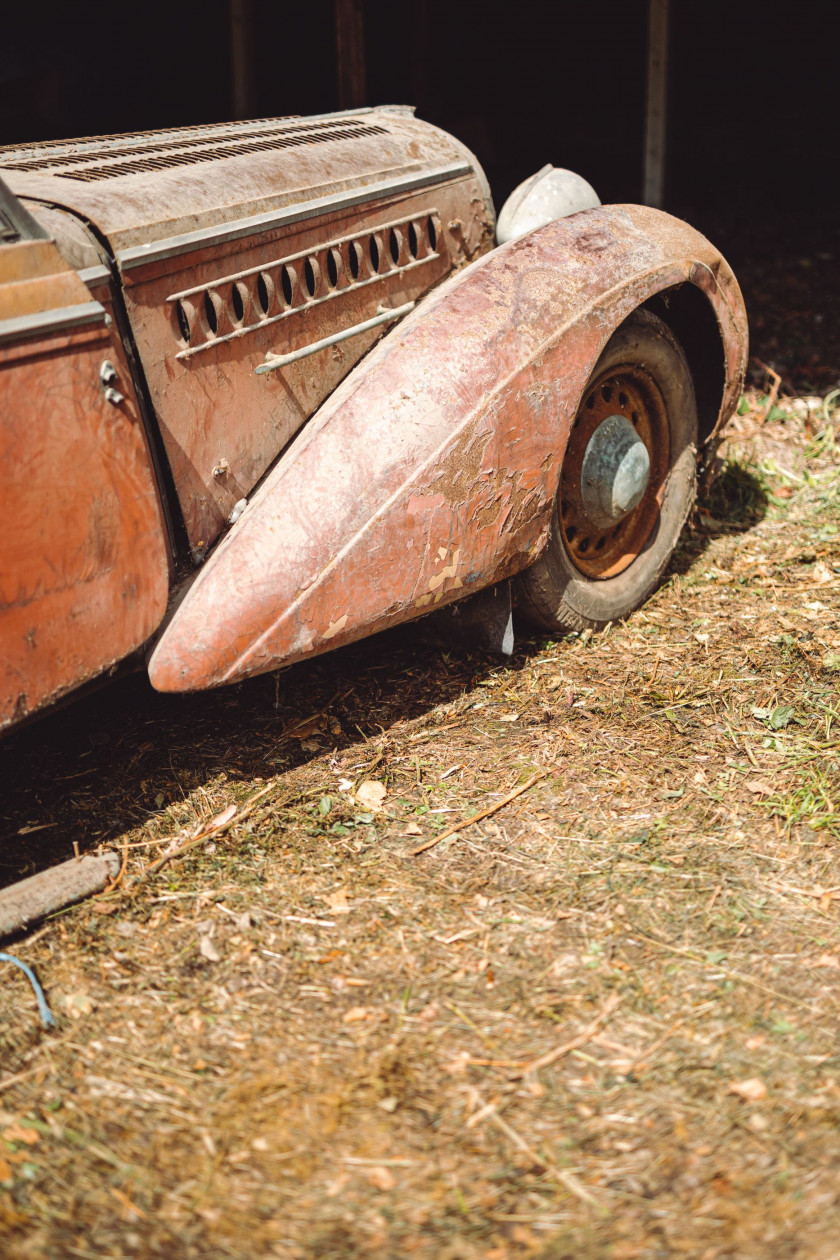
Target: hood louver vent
{"type": "Point", "coordinates": [91, 161]}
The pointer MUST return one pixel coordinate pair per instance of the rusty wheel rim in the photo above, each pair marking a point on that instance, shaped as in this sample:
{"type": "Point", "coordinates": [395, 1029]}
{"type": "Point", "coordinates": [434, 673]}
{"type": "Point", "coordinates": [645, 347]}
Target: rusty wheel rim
{"type": "Point", "coordinates": [631, 392]}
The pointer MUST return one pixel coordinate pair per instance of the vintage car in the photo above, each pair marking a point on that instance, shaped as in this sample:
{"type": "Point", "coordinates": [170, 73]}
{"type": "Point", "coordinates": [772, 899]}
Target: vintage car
{"type": "Point", "coordinates": [269, 387]}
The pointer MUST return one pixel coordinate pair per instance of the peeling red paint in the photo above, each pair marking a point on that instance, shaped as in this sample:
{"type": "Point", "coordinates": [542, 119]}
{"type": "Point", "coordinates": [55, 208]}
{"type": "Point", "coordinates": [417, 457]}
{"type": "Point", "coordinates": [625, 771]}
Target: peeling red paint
{"type": "Point", "coordinates": [84, 571]}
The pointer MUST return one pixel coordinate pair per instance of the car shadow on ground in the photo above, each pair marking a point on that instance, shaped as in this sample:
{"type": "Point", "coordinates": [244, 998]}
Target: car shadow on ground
{"type": "Point", "coordinates": [89, 772]}
{"type": "Point", "coordinates": [735, 504]}
{"type": "Point", "coordinates": [98, 767]}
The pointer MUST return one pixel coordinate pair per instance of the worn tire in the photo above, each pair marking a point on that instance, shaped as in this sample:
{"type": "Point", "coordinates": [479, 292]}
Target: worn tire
{"type": "Point", "coordinates": [556, 593]}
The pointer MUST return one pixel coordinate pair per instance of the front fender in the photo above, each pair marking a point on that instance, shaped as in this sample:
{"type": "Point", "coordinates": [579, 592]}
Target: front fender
{"type": "Point", "coordinates": [432, 470]}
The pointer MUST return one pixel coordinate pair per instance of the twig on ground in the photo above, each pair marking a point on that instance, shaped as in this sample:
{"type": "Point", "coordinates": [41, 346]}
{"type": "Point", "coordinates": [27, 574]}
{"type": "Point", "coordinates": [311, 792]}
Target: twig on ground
{"type": "Point", "coordinates": [643, 1060]}
{"type": "Point", "coordinates": [19, 1076]}
{"type": "Point", "coordinates": [773, 393]}
{"type": "Point", "coordinates": [575, 1043]}
{"type": "Point", "coordinates": [109, 888]}
{"type": "Point", "coordinates": [154, 867]}
{"type": "Point", "coordinates": [527, 1067]}
{"type": "Point", "coordinates": [485, 813]}
{"type": "Point", "coordinates": [488, 1112]}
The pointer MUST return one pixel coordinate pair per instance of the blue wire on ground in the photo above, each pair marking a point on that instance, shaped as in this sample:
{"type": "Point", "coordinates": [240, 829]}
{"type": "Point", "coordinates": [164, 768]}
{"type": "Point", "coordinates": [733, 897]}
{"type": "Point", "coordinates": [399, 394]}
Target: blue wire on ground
{"type": "Point", "coordinates": [43, 1010]}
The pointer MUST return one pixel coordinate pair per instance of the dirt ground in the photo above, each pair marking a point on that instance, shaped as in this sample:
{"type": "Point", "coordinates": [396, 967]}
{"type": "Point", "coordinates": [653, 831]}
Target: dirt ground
{"type": "Point", "coordinates": [601, 1021]}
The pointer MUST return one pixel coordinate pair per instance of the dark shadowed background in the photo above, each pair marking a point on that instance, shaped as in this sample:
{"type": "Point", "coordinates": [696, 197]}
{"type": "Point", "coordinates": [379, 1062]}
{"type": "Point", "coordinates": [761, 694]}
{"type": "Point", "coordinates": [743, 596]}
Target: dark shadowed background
{"type": "Point", "coordinates": [753, 112]}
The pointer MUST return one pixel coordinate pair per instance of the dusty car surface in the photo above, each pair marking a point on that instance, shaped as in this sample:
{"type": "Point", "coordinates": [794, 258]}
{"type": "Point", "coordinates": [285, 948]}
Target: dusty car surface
{"type": "Point", "coordinates": [270, 387]}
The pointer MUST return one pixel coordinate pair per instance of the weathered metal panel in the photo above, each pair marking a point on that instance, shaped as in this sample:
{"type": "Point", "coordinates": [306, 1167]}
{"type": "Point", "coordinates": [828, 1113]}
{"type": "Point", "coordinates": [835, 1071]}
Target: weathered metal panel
{"type": "Point", "coordinates": [83, 562]}
{"type": "Point", "coordinates": [432, 470]}
{"type": "Point", "coordinates": [150, 187]}
{"type": "Point", "coordinates": [204, 321]}
{"type": "Point", "coordinates": [237, 240]}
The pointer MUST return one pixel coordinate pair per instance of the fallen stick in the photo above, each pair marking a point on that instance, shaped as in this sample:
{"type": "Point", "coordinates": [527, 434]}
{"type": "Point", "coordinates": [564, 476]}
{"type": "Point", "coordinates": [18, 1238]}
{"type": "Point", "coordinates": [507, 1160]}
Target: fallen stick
{"type": "Point", "coordinates": [643, 1060]}
{"type": "Point", "coordinates": [19, 1076]}
{"type": "Point", "coordinates": [205, 834]}
{"type": "Point", "coordinates": [526, 1068]}
{"type": "Point", "coordinates": [489, 1113]}
{"type": "Point", "coordinates": [110, 887]}
{"type": "Point", "coordinates": [773, 393]}
{"type": "Point", "coordinates": [53, 889]}
{"type": "Point", "coordinates": [485, 813]}
{"type": "Point", "coordinates": [575, 1043]}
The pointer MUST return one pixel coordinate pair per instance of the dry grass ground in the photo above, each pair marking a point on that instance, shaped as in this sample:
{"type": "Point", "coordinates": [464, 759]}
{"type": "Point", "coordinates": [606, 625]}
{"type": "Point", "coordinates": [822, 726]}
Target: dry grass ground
{"type": "Point", "coordinates": [601, 1022]}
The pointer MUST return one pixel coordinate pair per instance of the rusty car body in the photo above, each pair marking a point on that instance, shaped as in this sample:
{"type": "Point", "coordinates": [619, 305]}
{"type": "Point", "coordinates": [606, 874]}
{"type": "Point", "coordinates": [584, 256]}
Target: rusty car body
{"type": "Point", "coordinates": [270, 387]}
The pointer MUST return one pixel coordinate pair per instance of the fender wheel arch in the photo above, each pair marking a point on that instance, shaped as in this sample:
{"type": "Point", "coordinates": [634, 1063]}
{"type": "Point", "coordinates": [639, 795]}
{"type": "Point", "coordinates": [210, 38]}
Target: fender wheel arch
{"type": "Point", "coordinates": [691, 317]}
{"type": "Point", "coordinates": [586, 577]}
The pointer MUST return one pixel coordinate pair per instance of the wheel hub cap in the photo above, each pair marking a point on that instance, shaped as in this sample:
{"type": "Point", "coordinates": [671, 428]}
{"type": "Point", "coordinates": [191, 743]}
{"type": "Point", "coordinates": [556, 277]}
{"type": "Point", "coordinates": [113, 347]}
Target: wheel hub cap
{"type": "Point", "coordinates": [615, 472]}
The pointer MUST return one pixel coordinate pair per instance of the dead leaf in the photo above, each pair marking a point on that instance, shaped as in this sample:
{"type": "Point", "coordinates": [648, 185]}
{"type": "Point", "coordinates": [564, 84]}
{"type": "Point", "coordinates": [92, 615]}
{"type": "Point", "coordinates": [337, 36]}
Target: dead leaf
{"type": "Point", "coordinates": [334, 1188]}
{"type": "Point", "coordinates": [77, 1004]}
{"type": "Point", "coordinates": [752, 1090]}
{"type": "Point", "coordinates": [219, 820]}
{"type": "Point", "coordinates": [508, 717]}
{"type": "Point", "coordinates": [208, 950]}
{"type": "Point", "coordinates": [413, 830]}
{"type": "Point", "coordinates": [381, 1178]}
{"type": "Point", "coordinates": [524, 1236]}
{"type": "Point", "coordinates": [827, 960]}
{"type": "Point", "coordinates": [337, 901]}
{"type": "Point", "coordinates": [17, 1133]}
{"type": "Point", "coordinates": [370, 794]}
{"type": "Point", "coordinates": [5, 1171]}
{"type": "Point", "coordinates": [459, 1065]}
{"type": "Point", "coordinates": [308, 726]}
{"type": "Point", "coordinates": [356, 1013]}
{"type": "Point", "coordinates": [759, 787]}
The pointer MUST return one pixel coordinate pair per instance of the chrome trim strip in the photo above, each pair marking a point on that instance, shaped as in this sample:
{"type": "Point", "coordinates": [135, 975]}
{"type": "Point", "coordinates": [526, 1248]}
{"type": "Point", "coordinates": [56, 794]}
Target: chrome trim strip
{"type": "Point", "coordinates": [94, 275]}
{"type": "Point", "coordinates": [59, 318]}
{"type": "Point", "coordinates": [274, 361]}
{"type": "Point", "coordinates": [158, 250]}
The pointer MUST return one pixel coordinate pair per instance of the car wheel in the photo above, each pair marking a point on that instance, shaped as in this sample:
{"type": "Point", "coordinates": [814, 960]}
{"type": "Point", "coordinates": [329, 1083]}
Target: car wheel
{"type": "Point", "coordinates": [626, 486]}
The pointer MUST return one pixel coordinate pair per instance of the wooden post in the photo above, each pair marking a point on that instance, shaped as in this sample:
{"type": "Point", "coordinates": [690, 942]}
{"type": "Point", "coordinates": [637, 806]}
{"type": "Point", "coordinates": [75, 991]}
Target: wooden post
{"type": "Point", "coordinates": [656, 104]}
{"type": "Point", "coordinates": [242, 58]}
{"type": "Point", "coordinates": [350, 53]}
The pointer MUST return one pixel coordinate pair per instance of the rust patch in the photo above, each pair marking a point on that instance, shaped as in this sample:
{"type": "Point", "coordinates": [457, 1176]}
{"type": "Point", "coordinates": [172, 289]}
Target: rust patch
{"type": "Point", "coordinates": [84, 573]}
